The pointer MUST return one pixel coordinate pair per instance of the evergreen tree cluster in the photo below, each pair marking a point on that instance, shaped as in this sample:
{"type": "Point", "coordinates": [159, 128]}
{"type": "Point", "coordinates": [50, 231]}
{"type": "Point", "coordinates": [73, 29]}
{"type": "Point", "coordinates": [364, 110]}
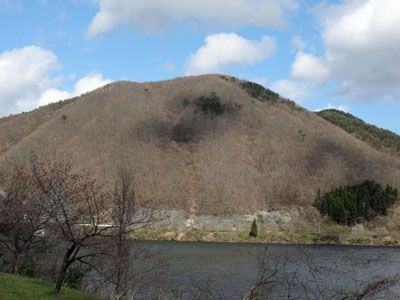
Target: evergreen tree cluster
{"type": "Point", "coordinates": [374, 136]}
{"type": "Point", "coordinates": [354, 204]}
{"type": "Point", "coordinates": [211, 104]}
{"type": "Point", "coordinates": [256, 90]}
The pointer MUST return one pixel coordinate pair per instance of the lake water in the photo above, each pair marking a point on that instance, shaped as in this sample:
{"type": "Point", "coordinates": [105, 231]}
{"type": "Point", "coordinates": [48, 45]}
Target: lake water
{"type": "Point", "coordinates": [229, 270]}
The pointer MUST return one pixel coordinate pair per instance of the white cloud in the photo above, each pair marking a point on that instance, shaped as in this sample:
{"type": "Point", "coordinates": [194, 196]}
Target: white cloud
{"type": "Point", "coordinates": [225, 49]}
{"type": "Point", "coordinates": [52, 95]}
{"type": "Point", "coordinates": [86, 84]}
{"type": "Point", "coordinates": [294, 90]}
{"type": "Point", "coordinates": [309, 67]}
{"type": "Point", "coordinates": [362, 41]}
{"type": "Point", "coordinates": [169, 67]}
{"type": "Point", "coordinates": [156, 15]}
{"type": "Point", "coordinates": [89, 83]}
{"type": "Point", "coordinates": [298, 43]}
{"type": "Point", "coordinates": [27, 80]}
{"type": "Point", "coordinates": [24, 74]}
{"type": "Point", "coordinates": [343, 108]}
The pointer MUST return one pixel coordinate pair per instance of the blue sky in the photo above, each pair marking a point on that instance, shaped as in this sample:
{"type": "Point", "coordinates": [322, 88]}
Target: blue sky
{"type": "Point", "coordinates": [341, 54]}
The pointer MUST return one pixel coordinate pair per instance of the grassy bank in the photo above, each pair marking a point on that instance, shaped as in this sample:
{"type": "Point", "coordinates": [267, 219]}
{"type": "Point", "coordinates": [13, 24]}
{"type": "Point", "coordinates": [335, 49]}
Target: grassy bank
{"type": "Point", "coordinates": [309, 228]}
{"type": "Point", "coordinates": [281, 237]}
{"type": "Point", "coordinates": [14, 287]}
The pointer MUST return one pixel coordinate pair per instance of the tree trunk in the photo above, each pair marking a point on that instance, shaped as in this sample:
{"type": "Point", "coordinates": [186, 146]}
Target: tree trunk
{"type": "Point", "coordinates": [64, 267]}
{"type": "Point", "coordinates": [15, 263]}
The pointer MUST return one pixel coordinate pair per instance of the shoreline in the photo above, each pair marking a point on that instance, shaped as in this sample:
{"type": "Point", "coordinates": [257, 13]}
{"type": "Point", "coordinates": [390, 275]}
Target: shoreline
{"type": "Point", "coordinates": [271, 237]}
{"type": "Point", "coordinates": [268, 244]}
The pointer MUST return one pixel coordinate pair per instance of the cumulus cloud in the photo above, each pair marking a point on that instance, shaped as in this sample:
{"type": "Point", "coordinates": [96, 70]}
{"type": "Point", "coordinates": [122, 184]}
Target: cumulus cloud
{"type": "Point", "coordinates": [89, 83]}
{"type": "Point", "coordinates": [24, 74]}
{"type": "Point", "coordinates": [226, 49]}
{"type": "Point", "coordinates": [52, 95]}
{"type": "Point", "coordinates": [291, 89]}
{"type": "Point", "coordinates": [343, 108]}
{"type": "Point", "coordinates": [86, 84]}
{"type": "Point", "coordinates": [156, 15]}
{"type": "Point", "coordinates": [362, 44]}
{"type": "Point", "coordinates": [309, 67]}
{"type": "Point", "coordinates": [27, 80]}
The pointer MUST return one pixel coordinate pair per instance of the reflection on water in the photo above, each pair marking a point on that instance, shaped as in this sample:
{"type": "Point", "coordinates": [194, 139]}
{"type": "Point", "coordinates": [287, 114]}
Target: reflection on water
{"type": "Point", "coordinates": [230, 270]}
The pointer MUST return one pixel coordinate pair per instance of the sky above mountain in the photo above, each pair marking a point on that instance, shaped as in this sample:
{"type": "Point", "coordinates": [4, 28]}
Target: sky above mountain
{"type": "Point", "coordinates": [322, 54]}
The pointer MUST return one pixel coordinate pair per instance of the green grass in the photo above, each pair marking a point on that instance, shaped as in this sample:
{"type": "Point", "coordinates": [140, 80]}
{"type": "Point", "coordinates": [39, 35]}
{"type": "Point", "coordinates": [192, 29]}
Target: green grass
{"type": "Point", "coordinates": [325, 231]}
{"type": "Point", "coordinates": [15, 287]}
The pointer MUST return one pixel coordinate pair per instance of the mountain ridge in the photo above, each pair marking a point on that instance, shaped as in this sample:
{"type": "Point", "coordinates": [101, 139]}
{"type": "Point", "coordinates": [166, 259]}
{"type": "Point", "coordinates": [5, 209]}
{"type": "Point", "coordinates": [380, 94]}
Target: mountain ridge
{"type": "Point", "coordinates": [378, 138]}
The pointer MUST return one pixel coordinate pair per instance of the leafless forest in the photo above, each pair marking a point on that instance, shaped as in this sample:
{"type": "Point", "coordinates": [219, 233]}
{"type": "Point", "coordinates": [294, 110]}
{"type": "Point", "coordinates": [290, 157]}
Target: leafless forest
{"type": "Point", "coordinates": [258, 154]}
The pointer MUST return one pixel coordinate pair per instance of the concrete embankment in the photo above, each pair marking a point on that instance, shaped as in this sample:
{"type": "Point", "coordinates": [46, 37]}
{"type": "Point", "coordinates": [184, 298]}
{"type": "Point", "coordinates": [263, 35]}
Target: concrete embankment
{"type": "Point", "coordinates": [267, 220]}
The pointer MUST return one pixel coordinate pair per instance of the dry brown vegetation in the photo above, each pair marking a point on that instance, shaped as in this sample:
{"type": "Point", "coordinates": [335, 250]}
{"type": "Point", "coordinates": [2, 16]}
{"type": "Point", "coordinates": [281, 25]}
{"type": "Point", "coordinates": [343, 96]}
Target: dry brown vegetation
{"type": "Point", "coordinates": [254, 155]}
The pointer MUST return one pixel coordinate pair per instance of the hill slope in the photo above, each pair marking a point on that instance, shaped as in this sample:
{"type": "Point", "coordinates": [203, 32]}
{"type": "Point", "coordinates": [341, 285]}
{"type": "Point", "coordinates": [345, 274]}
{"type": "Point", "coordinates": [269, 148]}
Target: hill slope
{"type": "Point", "coordinates": [378, 138]}
{"type": "Point", "coordinates": [208, 144]}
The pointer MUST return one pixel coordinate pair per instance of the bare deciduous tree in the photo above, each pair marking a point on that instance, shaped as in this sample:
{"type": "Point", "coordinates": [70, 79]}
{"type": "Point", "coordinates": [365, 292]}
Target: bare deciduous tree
{"type": "Point", "coordinates": [75, 206]}
{"type": "Point", "coordinates": [94, 223]}
{"type": "Point", "coordinates": [122, 214]}
{"type": "Point", "coordinates": [127, 216]}
{"type": "Point", "coordinates": [23, 218]}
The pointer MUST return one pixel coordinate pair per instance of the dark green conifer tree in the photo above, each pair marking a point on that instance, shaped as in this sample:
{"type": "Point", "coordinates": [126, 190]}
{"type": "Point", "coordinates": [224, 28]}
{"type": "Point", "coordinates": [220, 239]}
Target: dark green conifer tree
{"type": "Point", "coordinates": [254, 229]}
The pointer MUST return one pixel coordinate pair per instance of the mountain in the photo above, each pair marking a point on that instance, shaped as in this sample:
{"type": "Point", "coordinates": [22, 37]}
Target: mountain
{"type": "Point", "coordinates": [381, 139]}
{"type": "Point", "coordinates": [208, 144]}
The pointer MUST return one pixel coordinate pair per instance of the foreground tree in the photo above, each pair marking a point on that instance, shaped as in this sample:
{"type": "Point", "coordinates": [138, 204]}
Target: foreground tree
{"type": "Point", "coordinates": [93, 222]}
{"type": "Point", "coordinates": [128, 266]}
{"type": "Point", "coordinates": [122, 215]}
{"type": "Point", "coordinates": [74, 205]}
{"type": "Point", "coordinates": [22, 216]}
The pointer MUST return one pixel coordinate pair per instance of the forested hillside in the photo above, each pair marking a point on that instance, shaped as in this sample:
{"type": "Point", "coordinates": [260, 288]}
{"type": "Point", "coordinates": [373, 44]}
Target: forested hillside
{"type": "Point", "coordinates": [376, 137]}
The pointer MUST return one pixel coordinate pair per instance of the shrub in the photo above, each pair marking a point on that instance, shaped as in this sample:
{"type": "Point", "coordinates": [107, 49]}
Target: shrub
{"type": "Point", "coordinates": [258, 91]}
{"type": "Point", "coordinates": [211, 104]}
{"type": "Point", "coordinates": [27, 268]}
{"type": "Point", "coordinates": [74, 277]}
{"type": "Point", "coordinates": [254, 229]}
{"type": "Point", "coordinates": [183, 133]}
{"type": "Point", "coordinates": [185, 102]}
{"type": "Point", "coordinates": [354, 204]}
{"type": "Point", "coordinates": [4, 263]}
{"type": "Point", "coordinates": [330, 238]}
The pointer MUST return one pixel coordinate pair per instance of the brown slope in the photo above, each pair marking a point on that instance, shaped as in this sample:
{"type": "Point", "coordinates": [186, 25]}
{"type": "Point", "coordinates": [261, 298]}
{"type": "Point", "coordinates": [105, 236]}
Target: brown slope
{"type": "Point", "coordinates": [255, 155]}
{"type": "Point", "coordinates": [17, 127]}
